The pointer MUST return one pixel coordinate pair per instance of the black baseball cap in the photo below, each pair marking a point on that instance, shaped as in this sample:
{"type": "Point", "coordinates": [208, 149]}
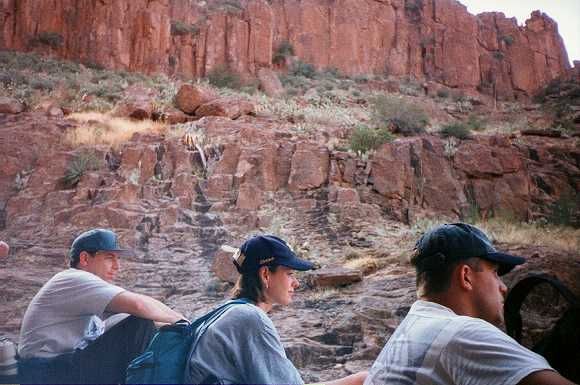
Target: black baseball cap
{"type": "Point", "coordinates": [267, 250]}
{"type": "Point", "coordinates": [453, 242]}
{"type": "Point", "coordinates": [96, 240]}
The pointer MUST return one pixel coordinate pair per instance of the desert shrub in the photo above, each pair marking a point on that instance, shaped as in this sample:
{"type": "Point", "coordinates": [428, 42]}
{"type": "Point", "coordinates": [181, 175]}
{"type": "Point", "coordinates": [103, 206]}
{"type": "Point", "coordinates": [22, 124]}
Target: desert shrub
{"type": "Point", "coordinates": [284, 50]}
{"type": "Point", "coordinates": [300, 68]}
{"type": "Point", "coordinates": [42, 84]}
{"type": "Point", "coordinates": [12, 77]}
{"type": "Point", "coordinates": [475, 123]}
{"type": "Point", "coordinates": [457, 130]}
{"type": "Point", "coordinates": [566, 210]}
{"type": "Point", "coordinates": [411, 87]}
{"type": "Point", "coordinates": [364, 138]}
{"type": "Point", "coordinates": [398, 115]}
{"type": "Point", "coordinates": [497, 55]}
{"type": "Point", "coordinates": [413, 5]}
{"type": "Point", "coordinates": [179, 28]}
{"type": "Point", "coordinates": [332, 73]}
{"type": "Point", "coordinates": [81, 163]}
{"type": "Point", "coordinates": [222, 77]}
{"type": "Point", "coordinates": [509, 40]}
{"type": "Point", "coordinates": [52, 39]}
{"type": "Point", "coordinates": [228, 6]}
{"type": "Point", "coordinates": [443, 93]}
{"type": "Point", "coordinates": [362, 78]}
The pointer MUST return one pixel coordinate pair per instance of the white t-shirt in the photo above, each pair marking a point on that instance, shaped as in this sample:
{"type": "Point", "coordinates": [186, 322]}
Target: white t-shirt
{"type": "Point", "coordinates": [66, 314]}
{"type": "Point", "coordinates": [433, 345]}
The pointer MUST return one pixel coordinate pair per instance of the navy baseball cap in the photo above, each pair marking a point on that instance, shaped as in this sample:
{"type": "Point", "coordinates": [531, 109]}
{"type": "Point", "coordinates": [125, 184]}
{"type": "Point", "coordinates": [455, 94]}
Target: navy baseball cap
{"type": "Point", "coordinates": [453, 242]}
{"type": "Point", "coordinates": [267, 250]}
{"type": "Point", "coordinates": [96, 240]}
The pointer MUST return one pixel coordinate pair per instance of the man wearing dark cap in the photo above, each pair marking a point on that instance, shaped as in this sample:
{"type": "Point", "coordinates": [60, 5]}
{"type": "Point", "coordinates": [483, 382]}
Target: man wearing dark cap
{"type": "Point", "coordinates": [69, 334]}
{"type": "Point", "coordinates": [451, 335]}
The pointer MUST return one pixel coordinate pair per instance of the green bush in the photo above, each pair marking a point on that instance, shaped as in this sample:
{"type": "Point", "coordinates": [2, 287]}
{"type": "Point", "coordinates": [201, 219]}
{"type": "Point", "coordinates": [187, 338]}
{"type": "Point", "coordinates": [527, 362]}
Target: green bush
{"type": "Point", "coordinates": [456, 130]}
{"type": "Point", "coordinates": [566, 210]}
{"type": "Point", "coordinates": [509, 40]}
{"type": "Point", "coordinates": [179, 28]}
{"type": "Point", "coordinates": [475, 123]}
{"type": "Point", "coordinates": [398, 115]}
{"type": "Point", "coordinates": [42, 84]}
{"type": "Point", "coordinates": [222, 77]}
{"type": "Point", "coordinates": [229, 6]}
{"type": "Point", "coordinates": [497, 55]}
{"type": "Point", "coordinates": [299, 68]}
{"type": "Point", "coordinates": [52, 39]}
{"type": "Point", "coordinates": [362, 78]}
{"type": "Point", "coordinates": [284, 50]}
{"type": "Point", "coordinates": [443, 93]}
{"type": "Point", "coordinates": [411, 87]}
{"type": "Point", "coordinates": [81, 163]}
{"type": "Point", "coordinates": [364, 139]}
{"type": "Point", "coordinates": [332, 73]}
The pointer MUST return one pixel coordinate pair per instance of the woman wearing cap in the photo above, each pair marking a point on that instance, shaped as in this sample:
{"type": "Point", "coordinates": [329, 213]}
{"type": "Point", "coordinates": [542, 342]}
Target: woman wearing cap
{"type": "Point", "coordinates": [243, 346]}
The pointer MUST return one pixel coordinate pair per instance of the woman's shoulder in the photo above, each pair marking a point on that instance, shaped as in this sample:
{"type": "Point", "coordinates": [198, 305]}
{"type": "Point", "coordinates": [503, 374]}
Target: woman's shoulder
{"type": "Point", "coordinates": [246, 313]}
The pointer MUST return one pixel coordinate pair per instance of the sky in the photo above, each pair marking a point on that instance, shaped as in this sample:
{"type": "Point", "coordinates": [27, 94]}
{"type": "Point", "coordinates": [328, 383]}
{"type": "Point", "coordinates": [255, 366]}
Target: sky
{"type": "Point", "coordinates": [565, 12]}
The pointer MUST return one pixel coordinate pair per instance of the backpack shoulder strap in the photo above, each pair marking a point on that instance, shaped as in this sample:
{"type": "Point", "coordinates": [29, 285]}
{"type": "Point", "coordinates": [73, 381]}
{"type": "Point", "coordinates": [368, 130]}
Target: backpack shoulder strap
{"type": "Point", "coordinates": [201, 324]}
{"type": "Point", "coordinates": [518, 294]}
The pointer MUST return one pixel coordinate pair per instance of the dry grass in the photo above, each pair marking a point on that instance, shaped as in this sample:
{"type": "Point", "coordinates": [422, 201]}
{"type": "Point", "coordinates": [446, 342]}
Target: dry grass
{"type": "Point", "coordinates": [369, 261]}
{"type": "Point", "coordinates": [507, 230]}
{"type": "Point", "coordinates": [367, 265]}
{"type": "Point", "coordinates": [96, 128]}
{"type": "Point", "coordinates": [558, 237]}
{"type": "Point", "coordinates": [323, 294]}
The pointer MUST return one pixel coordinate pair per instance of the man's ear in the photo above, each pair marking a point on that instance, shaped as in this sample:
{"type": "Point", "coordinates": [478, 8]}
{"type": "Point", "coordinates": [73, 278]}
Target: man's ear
{"type": "Point", "coordinates": [464, 276]}
{"type": "Point", "coordinates": [83, 259]}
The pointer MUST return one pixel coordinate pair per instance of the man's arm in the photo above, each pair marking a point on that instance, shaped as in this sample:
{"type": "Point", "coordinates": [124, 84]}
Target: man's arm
{"type": "Point", "coordinates": [545, 377]}
{"type": "Point", "coordinates": [353, 379]}
{"type": "Point", "coordinates": [142, 306]}
{"type": "Point", "coordinates": [4, 249]}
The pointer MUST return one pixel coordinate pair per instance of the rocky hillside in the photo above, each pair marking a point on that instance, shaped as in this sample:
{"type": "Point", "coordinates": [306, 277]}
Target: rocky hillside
{"type": "Point", "coordinates": [430, 40]}
{"type": "Point", "coordinates": [346, 213]}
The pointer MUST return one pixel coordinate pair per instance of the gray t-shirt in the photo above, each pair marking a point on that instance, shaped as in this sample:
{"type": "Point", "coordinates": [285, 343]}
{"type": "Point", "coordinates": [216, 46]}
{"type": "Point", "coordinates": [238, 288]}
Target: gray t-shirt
{"type": "Point", "coordinates": [433, 345]}
{"type": "Point", "coordinates": [242, 347]}
{"type": "Point", "coordinates": [66, 314]}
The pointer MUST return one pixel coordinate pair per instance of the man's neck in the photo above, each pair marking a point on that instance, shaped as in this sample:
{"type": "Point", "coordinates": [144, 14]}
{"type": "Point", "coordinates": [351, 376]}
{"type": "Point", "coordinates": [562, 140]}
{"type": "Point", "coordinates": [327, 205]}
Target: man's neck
{"type": "Point", "coordinates": [454, 302]}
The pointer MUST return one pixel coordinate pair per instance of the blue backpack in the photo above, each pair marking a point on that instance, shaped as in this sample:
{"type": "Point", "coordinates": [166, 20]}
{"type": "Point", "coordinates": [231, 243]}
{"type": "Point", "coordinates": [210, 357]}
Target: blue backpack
{"type": "Point", "coordinates": [166, 360]}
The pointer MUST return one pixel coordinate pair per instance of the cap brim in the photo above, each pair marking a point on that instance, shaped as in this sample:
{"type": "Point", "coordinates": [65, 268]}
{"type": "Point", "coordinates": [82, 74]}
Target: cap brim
{"type": "Point", "coordinates": [298, 264]}
{"type": "Point", "coordinates": [506, 262]}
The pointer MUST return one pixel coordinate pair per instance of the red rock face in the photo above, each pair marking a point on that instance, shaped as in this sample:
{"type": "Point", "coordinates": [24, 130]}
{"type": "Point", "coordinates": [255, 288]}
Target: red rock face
{"type": "Point", "coordinates": [435, 40]}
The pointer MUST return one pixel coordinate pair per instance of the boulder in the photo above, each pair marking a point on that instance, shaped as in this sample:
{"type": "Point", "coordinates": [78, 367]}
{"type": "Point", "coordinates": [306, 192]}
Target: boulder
{"type": "Point", "coordinates": [223, 267]}
{"type": "Point", "coordinates": [190, 97]}
{"type": "Point", "coordinates": [229, 107]}
{"type": "Point", "coordinates": [138, 109]}
{"type": "Point", "coordinates": [333, 277]}
{"type": "Point", "coordinates": [270, 83]}
{"type": "Point", "coordinates": [310, 166]}
{"type": "Point", "coordinates": [10, 106]}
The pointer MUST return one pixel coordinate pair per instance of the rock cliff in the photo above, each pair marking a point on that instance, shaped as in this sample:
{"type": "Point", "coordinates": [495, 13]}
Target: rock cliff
{"type": "Point", "coordinates": [426, 39]}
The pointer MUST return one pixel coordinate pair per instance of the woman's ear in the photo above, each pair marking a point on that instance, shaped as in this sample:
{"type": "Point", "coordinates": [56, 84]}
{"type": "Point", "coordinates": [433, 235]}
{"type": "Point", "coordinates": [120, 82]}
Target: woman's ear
{"type": "Point", "coordinates": [264, 274]}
